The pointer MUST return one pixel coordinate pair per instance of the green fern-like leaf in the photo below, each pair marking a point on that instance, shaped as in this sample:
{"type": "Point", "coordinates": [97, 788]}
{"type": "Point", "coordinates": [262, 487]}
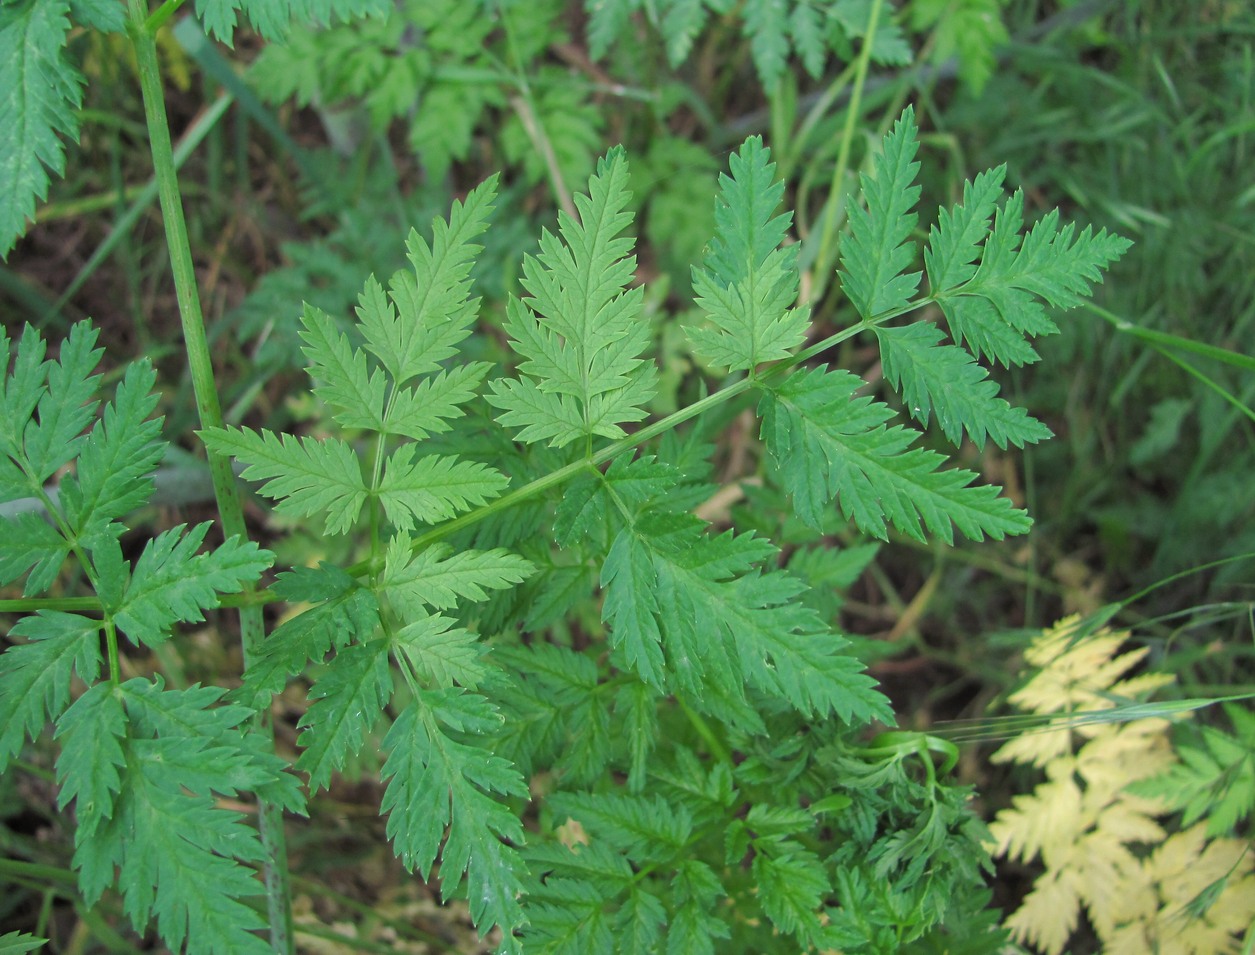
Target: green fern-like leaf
{"type": "Point", "coordinates": [580, 333]}
{"type": "Point", "coordinates": [42, 92]}
{"type": "Point", "coordinates": [877, 253]}
{"type": "Point", "coordinates": [438, 578]}
{"type": "Point", "coordinates": [946, 380]}
{"type": "Point", "coordinates": [432, 489]}
{"type": "Point", "coordinates": [792, 885]}
{"type": "Point", "coordinates": [432, 310]}
{"type": "Point", "coordinates": [35, 676]}
{"type": "Point", "coordinates": [1215, 780]}
{"type": "Point", "coordinates": [1006, 297]}
{"type": "Point", "coordinates": [171, 582]}
{"type": "Point", "coordinates": [749, 282]}
{"type": "Point", "coordinates": [342, 609]}
{"type": "Point", "coordinates": [141, 764]}
{"type": "Point", "coordinates": [272, 20]}
{"type": "Point", "coordinates": [410, 331]}
{"type": "Point", "coordinates": [345, 703]}
{"type": "Point", "coordinates": [970, 30]}
{"type": "Point", "coordinates": [118, 456]}
{"type": "Point", "coordinates": [670, 589]}
{"type": "Point", "coordinates": [31, 544]}
{"type": "Point", "coordinates": [435, 781]}
{"type": "Point", "coordinates": [50, 403]}
{"type": "Point", "coordinates": [306, 476]}
{"type": "Point", "coordinates": [828, 443]}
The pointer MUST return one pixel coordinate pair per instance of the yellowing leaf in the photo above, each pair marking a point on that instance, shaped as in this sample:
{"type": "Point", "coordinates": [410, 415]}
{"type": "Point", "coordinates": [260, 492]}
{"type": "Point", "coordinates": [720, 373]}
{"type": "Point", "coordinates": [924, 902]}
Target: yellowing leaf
{"type": "Point", "coordinates": [1049, 913]}
{"type": "Point", "coordinates": [1049, 815]}
{"type": "Point", "coordinates": [1127, 824]}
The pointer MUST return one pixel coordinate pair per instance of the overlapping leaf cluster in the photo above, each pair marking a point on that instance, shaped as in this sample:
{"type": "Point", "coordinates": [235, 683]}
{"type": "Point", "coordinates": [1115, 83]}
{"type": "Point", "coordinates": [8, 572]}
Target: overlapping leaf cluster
{"type": "Point", "coordinates": [701, 643]}
{"type": "Point", "coordinates": [387, 394]}
{"type": "Point", "coordinates": [141, 764]}
{"type": "Point", "coordinates": [805, 30]}
{"type": "Point", "coordinates": [1097, 823]}
{"type": "Point", "coordinates": [994, 286]}
{"type": "Point", "coordinates": [44, 87]}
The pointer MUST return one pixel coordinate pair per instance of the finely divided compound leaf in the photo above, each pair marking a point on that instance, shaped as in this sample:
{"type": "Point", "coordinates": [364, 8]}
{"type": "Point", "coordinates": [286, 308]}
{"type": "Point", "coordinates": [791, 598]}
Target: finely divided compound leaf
{"type": "Point", "coordinates": [92, 761]}
{"type": "Point", "coordinates": [272, 20]}
{"type": "Point", "coordinates": [431, 309]}
{"type": "Point", "coordinates": [20, 393]}
{"type": "Point", "coordinates": [435, 781]}
{"type": "Point", "coordinates": [142, 771]}
{"type": "Point", "coordinates": [342, 611]}
{"type": "Point", "coordinates": [42, 91]}
{"type": "Point", "coordinates": [945, 379]}
{"type": "Point", "coordinates": [409, 331]}
{"type": "Point", "coordinates": [204, 744]}
{"type": "Point", "coordinates": [19, 943]}
{"type": "Point", "coordinates": [629, 579]}
{"type": "Point", "coordinates": [356, 394]}
{"type": "Point", "coordinates": [67, 406]}
{"type": "Point", "coordinates": [747, 231]}
{"type": "Point", "coordinates": [172, 583]}
{"type": "Point", "coordinates": [438, 577]}
{"type": "Point", "coordinates": [878, 250]}
{"type": "Point", "coordinates": [428, 312]}
{"type": "Point", "coordinates": [434, 488]}
{"type": "Point", "coordinates": [581, 332]}
{"type": "Point", "coordinates": [31, 543]}
{"type": "Point", "coordinates": [792, 886]}
{"type": "Point", "coordinates": [345, 703]}
{"type": "Point", "coordinates": [954, 243]}
{"type": "Point", "coordinates": [748, 282]}
{"type": "Point", "coordinates": [44, 442]}
{"type": "Point", "coordinates": [117, 458]}
{"type": "Point", "coordinates": [35, 676]}
{"type": "Point", "coordinates": [306, 476]}
{"type": "Point", "coordinates": [828, 443]}
{"type": "Point", "coordinates": [644, 828]}
{"type": "Point", "coordinates": [1003, 301]}
{"type": "Point", "coordinates": [723, 622]}
{"type": "Point", "coordinates": [441, 654]}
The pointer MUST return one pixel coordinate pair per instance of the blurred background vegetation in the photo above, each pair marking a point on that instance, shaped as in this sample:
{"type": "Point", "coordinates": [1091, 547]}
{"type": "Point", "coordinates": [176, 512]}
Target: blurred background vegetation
{"type": "Point", "coordinates": [307, 162]}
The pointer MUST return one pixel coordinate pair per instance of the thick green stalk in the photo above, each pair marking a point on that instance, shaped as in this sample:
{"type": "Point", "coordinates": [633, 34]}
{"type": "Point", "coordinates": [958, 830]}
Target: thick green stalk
{"type": "Point", "coordinates": [252, 632]}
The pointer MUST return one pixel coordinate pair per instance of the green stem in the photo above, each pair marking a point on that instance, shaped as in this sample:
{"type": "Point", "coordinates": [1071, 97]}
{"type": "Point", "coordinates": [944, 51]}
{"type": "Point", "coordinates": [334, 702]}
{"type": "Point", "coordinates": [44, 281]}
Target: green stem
{"type": "Point", "coordinates": [142, 32]}
{"type": "Point", "coordinates": [111, 651]}
{"type": "Point", "coordinates": [824, 260]}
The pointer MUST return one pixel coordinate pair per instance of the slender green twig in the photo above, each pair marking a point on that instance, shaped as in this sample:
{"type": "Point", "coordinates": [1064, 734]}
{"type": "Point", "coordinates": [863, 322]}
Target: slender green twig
{"type": "Point", "coordinates": [226, 492]}
{"type": "Point", "coordinates": [824, 260]}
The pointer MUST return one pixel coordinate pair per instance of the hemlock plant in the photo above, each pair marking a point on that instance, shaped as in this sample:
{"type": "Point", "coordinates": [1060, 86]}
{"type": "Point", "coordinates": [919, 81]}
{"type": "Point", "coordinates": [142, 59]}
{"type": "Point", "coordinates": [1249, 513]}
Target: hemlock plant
{"type": "Point", "coordinates": [651, 835]}
{"type": "Point", "coordinates": [686, 771]}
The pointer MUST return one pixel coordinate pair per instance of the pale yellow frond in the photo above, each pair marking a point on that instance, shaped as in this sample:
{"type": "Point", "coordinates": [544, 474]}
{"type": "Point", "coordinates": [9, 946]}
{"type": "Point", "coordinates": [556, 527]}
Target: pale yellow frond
{"type": "Point", "coordinates": [1037, 747]}
{"type": "Point", "coordinates": [1049, 914]}
{"type": "Point", "coordinates": [1051, 642]}
{"type": "Point", "coordinates": [1074, 676]}
{"type": "Point", "coordinates": [1210, 861]}
{"type": "Point", "coordinates": [1102, 867]}
{"type": "Point", "coordinates": [1050, 815]}
{"type": "Point", "coordinates": [1181, 868]}
{"type": "Point", "coordinates": [1137, 903]}
{"type": "Point", "coordinates": [1142, 685]}
{"type": "Point", "coordinates": [1125, 754]}
{"type": "Point", "coordinates": [1177, 854]}
{"type": "Point", "coordinates": [1127, 824]}
{"type": "Point", "coordinates": [1131, 938]}
{"type": "Point", "coordinates": [1108, 674]}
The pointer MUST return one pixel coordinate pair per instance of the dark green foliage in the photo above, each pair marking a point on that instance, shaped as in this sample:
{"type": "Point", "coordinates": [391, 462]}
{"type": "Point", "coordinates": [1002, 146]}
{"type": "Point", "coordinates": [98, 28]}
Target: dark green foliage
{"type": "Point", "coordinates": [139, 763]}
{"type": "Point", "coordinates": [464, 541]}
